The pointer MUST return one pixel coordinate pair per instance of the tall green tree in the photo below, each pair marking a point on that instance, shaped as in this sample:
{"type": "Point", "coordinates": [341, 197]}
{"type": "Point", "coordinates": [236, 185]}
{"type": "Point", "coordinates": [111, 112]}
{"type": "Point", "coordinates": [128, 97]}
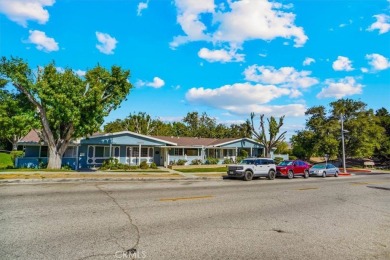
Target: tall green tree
{"type": "Point", "coordinates": [383, 152]}
{"type": "Point", "coordinates": [271, 137]}
{"type": "Point", "coordinates": [17, 117]}
{"type": "Point", "coordinates": [68, 106]}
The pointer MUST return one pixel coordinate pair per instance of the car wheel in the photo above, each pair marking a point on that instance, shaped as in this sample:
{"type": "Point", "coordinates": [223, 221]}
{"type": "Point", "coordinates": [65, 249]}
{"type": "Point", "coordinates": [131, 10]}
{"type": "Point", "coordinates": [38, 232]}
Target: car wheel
{"type": "Point", "coordinates": [271, 175]}
{"type": "Point", "coordinates": [306, 174]}
{"type": "Point", "coordinates": [336, 174]}
{"type": "Point", "coordinates": [323, 174]}
{"type": "Point", "coordinates": [248, 176]}
{"type": "Point", "coordinates": [290, 174]}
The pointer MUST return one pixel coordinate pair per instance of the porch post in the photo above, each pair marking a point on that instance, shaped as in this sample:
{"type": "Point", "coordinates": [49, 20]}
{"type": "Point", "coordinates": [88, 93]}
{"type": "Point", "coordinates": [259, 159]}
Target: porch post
{"type": "Point", "coordinates": [139, 154]}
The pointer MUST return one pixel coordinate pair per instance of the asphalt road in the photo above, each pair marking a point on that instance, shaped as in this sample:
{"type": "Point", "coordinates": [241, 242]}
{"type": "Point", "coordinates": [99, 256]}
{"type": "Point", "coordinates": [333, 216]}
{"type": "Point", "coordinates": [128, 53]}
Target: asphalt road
{"type": "Point", "coordinates": [315, 218]}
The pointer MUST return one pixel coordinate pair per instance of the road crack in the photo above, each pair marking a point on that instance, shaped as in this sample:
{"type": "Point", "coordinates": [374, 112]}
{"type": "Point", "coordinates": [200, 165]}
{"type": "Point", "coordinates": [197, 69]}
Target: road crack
{"type": "Point", "coordinates": [130, 219]}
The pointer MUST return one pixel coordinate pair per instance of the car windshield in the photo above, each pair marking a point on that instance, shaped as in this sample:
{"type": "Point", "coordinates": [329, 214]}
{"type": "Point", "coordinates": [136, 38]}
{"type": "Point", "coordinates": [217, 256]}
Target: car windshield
{"type": "Point", "coordinates": [319, 166]}
{"type": "Point", "coordinates": [285, 163]}
{"type": "Point", "coordinates": [247, 162]}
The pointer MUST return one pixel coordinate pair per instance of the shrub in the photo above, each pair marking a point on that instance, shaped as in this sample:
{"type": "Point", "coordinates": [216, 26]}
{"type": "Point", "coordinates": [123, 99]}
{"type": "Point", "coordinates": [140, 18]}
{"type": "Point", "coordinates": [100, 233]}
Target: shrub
{"type": "Point", "coordinates": [153, 165]}
{"type": "Point", "coordinates": [16, 154]}
{"type": "Point", "coordinates": [5, 161]}
{"type": "Point", "coordinates": [228, 161]}
{"type": "Point", "coordinates": [239, 159]}
{"type": "Point", "coordinates": [277, 160]}
{"type": "Point", "coordinates": [66, 167]}
{"type": "Point", "coordinates": [243, 153]}
{"type": "Point", "coordinates": [181, 162]}
{"type": "Point", "coordinates": [211, 160]}
{"type": "Point", "coordinates": [144, 165]}
{"type": "Point", "coordinates": [292, 157]}
{"type": "Point", "coordinates": [196, 162]}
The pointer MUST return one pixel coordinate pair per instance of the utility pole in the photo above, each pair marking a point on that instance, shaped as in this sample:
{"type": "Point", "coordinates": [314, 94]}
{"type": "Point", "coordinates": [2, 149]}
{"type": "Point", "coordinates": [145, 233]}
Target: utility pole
{"type": "Point", "coordinates": [342, 141]}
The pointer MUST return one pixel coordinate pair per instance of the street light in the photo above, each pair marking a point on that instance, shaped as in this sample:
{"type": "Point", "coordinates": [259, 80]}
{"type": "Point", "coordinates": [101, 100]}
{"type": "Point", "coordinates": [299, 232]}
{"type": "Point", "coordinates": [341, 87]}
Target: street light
{"type": "Point", "coordinates": [342, 140]}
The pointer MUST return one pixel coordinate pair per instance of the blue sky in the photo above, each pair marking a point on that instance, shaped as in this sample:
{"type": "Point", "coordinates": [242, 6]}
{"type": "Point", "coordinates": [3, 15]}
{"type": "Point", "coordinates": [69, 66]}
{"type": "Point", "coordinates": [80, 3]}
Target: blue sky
{"type": "Point", "coordinates": [223, 57]}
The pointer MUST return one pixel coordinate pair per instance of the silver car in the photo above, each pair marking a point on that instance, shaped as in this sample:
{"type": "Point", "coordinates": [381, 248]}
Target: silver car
{"type": "Point", "coordinates": [323, 169]}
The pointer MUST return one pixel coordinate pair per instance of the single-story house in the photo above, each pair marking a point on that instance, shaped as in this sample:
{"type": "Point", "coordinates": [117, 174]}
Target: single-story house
{"type": "Point", "coordinates": [132, 148]}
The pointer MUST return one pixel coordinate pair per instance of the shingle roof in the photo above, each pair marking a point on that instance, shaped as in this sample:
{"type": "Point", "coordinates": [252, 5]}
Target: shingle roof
{"type": "Point", "coordinates": [31, 137]}
{"type": "Point", "coordinates": [194, 141]}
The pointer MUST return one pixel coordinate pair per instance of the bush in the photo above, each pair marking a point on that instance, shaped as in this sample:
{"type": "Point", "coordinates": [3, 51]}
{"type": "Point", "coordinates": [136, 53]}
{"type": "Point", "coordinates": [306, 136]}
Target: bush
{"type": "Point", "coordinates": [16, 154]}
{"type": "Point", "coordinates": [292, 157]}
{"type": "Point", "coordinates": [211, 160]}
{"type": "Point", "coordinates": [196, 162]}
{"type": "Point", "coordinates": [277, 160]}
{"type": "Point", "coordinates": [228, 161]}
{"type": "Point", "coordinates": [66, 167]}
{"type": "Point", "coordinates": [181, 162]}
{"type": "Point", "coordinates": [153, 165]}
{"type": "Point", "coordinates": [243, 153]}
{"type": "Point", "coordinates": [6, 161]}
{"type": "Point", "coordinates": [144, 165]}
{"type": "Point", "coordinates": [239, 159]}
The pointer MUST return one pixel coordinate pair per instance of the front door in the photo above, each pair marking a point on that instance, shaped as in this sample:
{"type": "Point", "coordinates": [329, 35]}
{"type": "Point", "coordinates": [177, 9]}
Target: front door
{"type": "Point", "coordinates": [157, 156]}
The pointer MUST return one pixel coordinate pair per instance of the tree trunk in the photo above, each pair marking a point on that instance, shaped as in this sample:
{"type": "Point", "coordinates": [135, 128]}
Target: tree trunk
{"type": "Point", "coordinates": [54, 159]}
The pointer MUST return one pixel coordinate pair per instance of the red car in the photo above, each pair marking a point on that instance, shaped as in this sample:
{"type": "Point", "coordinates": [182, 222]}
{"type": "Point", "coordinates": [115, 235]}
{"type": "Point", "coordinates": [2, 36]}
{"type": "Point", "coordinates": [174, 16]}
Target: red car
{"type": "Point", "coordinates": [290, 169]}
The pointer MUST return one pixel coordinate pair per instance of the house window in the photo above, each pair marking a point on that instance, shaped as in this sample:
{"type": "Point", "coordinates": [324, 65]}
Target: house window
{"type": "Point", "coordinates": [70, 152]}
{"type": "Point", "coordinates": [43, 151]}
{"type": "Point", "coordinates": [177, 151]}
{"type": "Point", "coordinates": [191, 152]}
{"type": "Point", "coordinates": [135, 152]}
{"type": "Point", "coordinates": [102, 151]}
{"type": "Point", "coordinates": [144, 152]}
{"type": "Point", "coordinates": [227, 152]}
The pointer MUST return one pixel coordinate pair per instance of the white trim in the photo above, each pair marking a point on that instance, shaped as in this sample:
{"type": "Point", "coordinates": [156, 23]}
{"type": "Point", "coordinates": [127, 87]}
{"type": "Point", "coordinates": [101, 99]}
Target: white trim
{"type": "Point", "coordinates": [130, 133]}
{"type": "Point", "coordinates": [240, 139]}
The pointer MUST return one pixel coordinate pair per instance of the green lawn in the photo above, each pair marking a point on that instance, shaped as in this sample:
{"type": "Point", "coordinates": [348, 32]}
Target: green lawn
{"type": "Point", "coordinates": [5, 161]}
{"type": "Point", "coordinates": [219, 169]}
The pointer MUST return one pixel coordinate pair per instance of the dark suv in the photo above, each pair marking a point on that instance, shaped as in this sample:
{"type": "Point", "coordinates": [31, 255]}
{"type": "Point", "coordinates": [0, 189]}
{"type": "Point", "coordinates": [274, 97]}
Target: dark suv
{"type": "Point", "coordinates": [290, 169]}
{"type": "Point", "coordinates": [253, 167]}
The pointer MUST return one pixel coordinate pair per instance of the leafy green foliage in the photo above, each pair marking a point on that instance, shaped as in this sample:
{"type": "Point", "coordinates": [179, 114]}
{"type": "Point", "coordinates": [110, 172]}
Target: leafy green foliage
{"type": "Point", "coordinates": [68, 106]}
{"type": "Point", "coordinates": [363, 135]}
{"type": "Point", "coordinates": [277, 160]}
{"type": "Point", "coordinates": [196, 162]}
{"type": "Point", "coordinates": [144, 165]}
{"type": "Point", "coordinates": [228, 161]}
{"type": "Point", "coordinates": [16, 154]}
{"type": "Point", "coordinates": [181, 162]}
{"type": "Point", "coordinates": [6, 161]}
{"type": "Point", "coordinates": [153, 165]}
{"type": "Point", "coordinates": [211, 160]}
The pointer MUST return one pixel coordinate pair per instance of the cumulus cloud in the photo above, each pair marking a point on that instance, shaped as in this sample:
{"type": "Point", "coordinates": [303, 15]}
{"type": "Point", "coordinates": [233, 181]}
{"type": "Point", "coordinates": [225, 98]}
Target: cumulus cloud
{"type": "Point", "coordinates": [377, 61]}
{"type": "Point", "coordinates": [222, 55]}
{"type": "Point", "coordinates": [339, 89]}
{"type": "Point", "coordinates": [156, 83]}
{"type": "Point", "coordinates": [141, 7]}
{"type": "Point", "coordinates": [20, 11]}
{"type": "Point", "coordinates": [258, 19]}
{"type": "Point", "coordinates": [285, 76]}
{"type": "Point", "coordinates": [243, 98]}
{"type": "Point", "coordinates": [80, 73]}
{"type": "Point", "coordinates": [107, 44]}
{"type": "Point", "coordinates": [342, 63]}
{"type": "Point", "coordinates": [42, 42]}
{"type": "Point", "coordinates": [382, 23]}
{"type": "Point", "coordinates": [308, 61]}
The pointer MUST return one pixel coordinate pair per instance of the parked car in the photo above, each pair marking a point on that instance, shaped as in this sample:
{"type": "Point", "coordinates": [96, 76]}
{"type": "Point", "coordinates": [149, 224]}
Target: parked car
{"type": "Point", "coordinates": [293, 168]}
{"type": "Point", "coordinates": [324, 169]}
{"type": "Point", "coordinates": [249, 168]}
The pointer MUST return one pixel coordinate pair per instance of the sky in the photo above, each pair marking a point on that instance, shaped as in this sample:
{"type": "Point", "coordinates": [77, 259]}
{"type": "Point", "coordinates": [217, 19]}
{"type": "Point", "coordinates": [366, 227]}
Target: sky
{"type": "Point", "coordinates": [224, 57]}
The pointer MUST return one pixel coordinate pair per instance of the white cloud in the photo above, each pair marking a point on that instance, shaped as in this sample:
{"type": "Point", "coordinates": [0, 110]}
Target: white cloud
{"type": "Point", "coordinates": [285, 76]}
{"type": "Point", "coordinates": [81, 73]}
{"type": "Point", "coordinates": [220, 55]}
{"type": "Point", "coordinates": [364, 70]}
{"type": "Point", "coordinates": [308, 61]}
{"type": "Point", "coordinates": [378, 62]}
{"type": "Point", "coordinates": [244, 98]}
{"type": "Point", "coordinates": [43, 43]}
{"type": "Point", "coordinates": [107, 44]}
{"type": "Point", "coordinates": [344, 87]}
{"type": "Point", "coordinates": [141, 7]}
{"type": "Point", "coordinates": [258, 19]}
{"type": "Point", "coordinates": [156, 83]}
{"type": "Point", "coordinates": [342, 63]}
{"type": "Point", "coordinates": [382, 23]}
{"type": "Point", "coordinates": [20, 11]}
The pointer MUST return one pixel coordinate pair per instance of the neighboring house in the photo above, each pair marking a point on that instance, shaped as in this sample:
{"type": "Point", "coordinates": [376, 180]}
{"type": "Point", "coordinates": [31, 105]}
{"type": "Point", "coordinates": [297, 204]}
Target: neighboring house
{"type": "Point", "coordinates": [132, 148]}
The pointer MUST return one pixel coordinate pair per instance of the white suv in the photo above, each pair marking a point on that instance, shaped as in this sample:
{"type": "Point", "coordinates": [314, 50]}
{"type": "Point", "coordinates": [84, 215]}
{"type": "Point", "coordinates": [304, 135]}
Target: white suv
{"type": "Point", "coordinates": [253, 167]}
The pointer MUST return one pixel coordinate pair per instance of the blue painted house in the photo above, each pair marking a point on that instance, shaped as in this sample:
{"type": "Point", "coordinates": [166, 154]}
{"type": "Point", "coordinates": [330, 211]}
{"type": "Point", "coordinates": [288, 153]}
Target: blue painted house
{"type": "Point", "coordinates": [132, 148]}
